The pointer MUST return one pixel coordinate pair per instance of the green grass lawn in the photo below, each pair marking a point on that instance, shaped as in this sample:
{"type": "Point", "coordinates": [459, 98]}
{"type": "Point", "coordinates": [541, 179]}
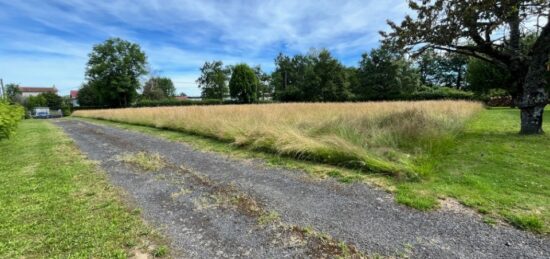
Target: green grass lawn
{"type": "Point", "coordinates": [489, 167]}
{"type": "Point", "coordinates": [56, 204]}
{"type": "Point", "coordinates": [492, 168]}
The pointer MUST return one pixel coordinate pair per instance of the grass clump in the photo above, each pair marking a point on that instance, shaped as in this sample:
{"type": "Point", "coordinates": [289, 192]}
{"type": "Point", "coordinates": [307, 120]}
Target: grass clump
{"type": "Point", "coordinates": [160, 251]}
{"type": "Point", "coordinates": [56, 204]}
{"type": "Point", "coordinates": [381, 137]}
{"type": "Point", "coordinates": [147, 161]}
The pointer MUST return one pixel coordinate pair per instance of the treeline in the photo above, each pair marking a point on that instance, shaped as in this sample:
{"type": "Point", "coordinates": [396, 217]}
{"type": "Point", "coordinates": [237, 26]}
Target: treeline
{"type": "Point", "coordinates": [115, 67]}
{"type": "Point", "coordinates": [380, 75]}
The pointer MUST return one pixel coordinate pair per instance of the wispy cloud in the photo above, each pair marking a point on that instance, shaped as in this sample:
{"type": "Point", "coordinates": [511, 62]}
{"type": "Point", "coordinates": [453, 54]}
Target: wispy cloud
{"type": "Point", "coordinates": [49, 40]}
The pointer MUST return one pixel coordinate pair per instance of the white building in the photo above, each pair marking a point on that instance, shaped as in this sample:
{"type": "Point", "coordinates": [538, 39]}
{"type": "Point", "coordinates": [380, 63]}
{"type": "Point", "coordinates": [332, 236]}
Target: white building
{"type": "Point", "coordinates": [34, 91]}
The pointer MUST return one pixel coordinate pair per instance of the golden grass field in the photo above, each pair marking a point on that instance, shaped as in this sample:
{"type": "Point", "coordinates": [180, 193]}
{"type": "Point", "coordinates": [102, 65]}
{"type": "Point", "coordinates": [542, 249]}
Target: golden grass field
{"type": "Point", "coordinates": [386, 137]}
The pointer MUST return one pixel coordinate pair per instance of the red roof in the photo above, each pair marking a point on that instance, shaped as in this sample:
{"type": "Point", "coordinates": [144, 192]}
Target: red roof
{"type": "Point", "coordinates": [181, 98]}
{"type": "Point", "coordinates": [25, 89]}
{"type": "Point", "coordinates": [74, 94]}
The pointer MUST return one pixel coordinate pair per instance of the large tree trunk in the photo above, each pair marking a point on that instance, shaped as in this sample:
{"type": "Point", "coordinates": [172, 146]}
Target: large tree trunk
{"type": "Point", "coordinates": [531, 120]}
{"type": "Point", "coordinates": [534, 97]}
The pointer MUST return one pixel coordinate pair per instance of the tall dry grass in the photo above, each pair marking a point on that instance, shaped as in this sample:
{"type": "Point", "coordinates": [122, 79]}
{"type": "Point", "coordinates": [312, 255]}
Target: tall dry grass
{"type": "Point", "coordinates": [383, 137]}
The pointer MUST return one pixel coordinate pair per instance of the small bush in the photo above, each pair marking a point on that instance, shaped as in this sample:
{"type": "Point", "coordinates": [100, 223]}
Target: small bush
{"type": "Point", "coordinates": [10, 115]}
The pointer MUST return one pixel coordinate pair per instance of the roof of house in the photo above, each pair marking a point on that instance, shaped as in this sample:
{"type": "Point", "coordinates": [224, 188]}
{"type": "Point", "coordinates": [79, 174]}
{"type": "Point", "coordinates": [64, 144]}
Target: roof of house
{"type": "Point", "coordinates": [74, 94]}
{"type": "Point", "coordinates": [181, 97]}
{"type": "Point", "coordinates": [26, 89]}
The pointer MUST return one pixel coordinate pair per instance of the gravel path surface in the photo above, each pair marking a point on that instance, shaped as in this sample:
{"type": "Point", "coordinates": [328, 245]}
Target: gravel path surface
{"type": "Point", "coordinates": [211, 206]}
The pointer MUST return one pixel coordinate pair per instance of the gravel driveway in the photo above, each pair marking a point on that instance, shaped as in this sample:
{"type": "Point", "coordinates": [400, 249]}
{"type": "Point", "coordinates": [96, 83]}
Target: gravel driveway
{"type": "Point", "coordinates": [211, 206]}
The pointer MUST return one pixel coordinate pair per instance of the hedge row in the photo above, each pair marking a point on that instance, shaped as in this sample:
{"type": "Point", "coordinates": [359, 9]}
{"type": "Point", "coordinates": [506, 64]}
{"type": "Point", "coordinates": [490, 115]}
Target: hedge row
{"type": "Point", "coordinates": [175, 102]}
{"type": "Point", "coordinates": [10, 115]}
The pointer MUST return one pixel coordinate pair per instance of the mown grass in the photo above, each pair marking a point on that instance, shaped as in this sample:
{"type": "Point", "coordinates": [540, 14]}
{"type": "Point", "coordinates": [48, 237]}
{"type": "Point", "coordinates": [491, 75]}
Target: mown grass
{"type": "Point", "coordinates": [382, 137]}
{"type": "Point", "coordinates": [492, 168]}
{"type": "Point", "coordinates": [56, 204]}
{"type": "Point", "coordinates": [488, 167]}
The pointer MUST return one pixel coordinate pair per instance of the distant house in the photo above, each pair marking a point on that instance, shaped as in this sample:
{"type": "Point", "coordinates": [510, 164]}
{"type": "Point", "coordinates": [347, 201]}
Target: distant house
{"type": "Point", "coordinates": [74, 98]}
{"type": "Point", "coordinates": [181, 97]}
{"type": "Point", "coordinates": [34, 91]}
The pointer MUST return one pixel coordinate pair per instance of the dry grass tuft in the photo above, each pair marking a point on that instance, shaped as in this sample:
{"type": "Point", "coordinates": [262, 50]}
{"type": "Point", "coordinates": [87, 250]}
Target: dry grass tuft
{"type": "Point", "coordinates": [383, 137]}
{"type": "Point", "coordinates": [146, 161]}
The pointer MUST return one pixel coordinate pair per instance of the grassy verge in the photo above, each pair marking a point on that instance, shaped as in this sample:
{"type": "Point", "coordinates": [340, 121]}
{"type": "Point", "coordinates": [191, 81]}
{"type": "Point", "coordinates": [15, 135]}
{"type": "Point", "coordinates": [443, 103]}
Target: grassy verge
{"type": "Point", "coordinates": [492, 168]}
{"type": "Point", "coordinates": [56, 204]}
{"type": "Point", "coordinates": [489, 167]}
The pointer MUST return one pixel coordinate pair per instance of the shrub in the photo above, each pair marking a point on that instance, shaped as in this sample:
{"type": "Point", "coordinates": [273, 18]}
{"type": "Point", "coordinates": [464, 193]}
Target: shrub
{"type": "Point", "coordinates": [441, 93]}
{"type": "Point", "coordinates": [10, 115]}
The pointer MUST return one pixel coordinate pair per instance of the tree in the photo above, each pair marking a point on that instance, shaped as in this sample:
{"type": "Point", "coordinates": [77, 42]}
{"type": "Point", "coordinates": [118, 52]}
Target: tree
{"type": "Point", "coordinates": [265, 88]}
{"type": "Point", "coordinates": [315, 77]}
{"type": "Point", "coordinates": [53, 101]}
{"type": "Point", "coordinates": [470, 27]}
{"type": "Point", "coordinates": [243, 84]}
{"type": "Point", "coordinates": [114, 69]}
{"type": "Point", "coordinates": [293, 78]}
{"type": "Point", "coordinates": [442, 69]}
{"type": "Point", "coordinates": [330, 78]}
{"type": "Point", "coordinates": [158, 88]}
{"type": "Point", "coordinates": [13, 93]}
{"type": "Point", "coordinates": [36, 101]}
{"type": "Point", "coordinates": [385, 75]}
{"type": "Point", "coordinates": [213, 80]}
{"type": "Point", "coordinates": [483, 76]}
{"type": "Point", "coordinates": [88, 96]}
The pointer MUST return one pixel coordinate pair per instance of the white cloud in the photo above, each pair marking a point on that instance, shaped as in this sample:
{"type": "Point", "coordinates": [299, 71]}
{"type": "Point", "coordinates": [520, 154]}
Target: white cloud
{"type": "Point", "coordinates": [179, 36]}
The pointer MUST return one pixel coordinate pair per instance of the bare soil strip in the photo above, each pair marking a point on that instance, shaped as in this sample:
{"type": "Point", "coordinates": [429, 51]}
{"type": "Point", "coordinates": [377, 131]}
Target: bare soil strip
{"type": "Point", "coordinates": [211, 206]}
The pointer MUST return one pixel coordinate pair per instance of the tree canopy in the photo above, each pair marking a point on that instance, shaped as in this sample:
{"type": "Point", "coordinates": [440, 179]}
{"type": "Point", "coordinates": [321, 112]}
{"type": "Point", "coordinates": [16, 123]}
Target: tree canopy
{"type": "Point", "coordinates": [244, 84]}
{"type": "Point", "coordinates": [213, 80]}
{"type": "Point", "coordinates": [316, 76]}
{"type": "Point", "coordinates": [158, 88]}
{"type": "Point", "coordinates": [384, 74]}
{"type": "Point", "coordinates": [490, 30]}
{"type": "Point", "coordinates": [13, 92]}
{"type": "Point", "coordinates": [113, 70]}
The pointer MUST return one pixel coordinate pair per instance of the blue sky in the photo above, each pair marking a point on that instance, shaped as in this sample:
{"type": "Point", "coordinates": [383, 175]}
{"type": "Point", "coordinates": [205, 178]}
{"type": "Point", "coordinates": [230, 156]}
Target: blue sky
{"type": "Point", "coordinates": [46, 42]}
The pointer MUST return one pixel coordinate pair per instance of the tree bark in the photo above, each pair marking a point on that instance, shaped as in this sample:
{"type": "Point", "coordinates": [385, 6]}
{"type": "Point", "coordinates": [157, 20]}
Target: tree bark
{"type": "Point", "coordinates": [534, 96]}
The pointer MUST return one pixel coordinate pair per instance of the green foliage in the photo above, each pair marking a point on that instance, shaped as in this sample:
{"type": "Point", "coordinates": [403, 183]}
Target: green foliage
{"type": "Point", "coordinates": [88, 96]}
{"type": "Point", "coordinates": [213, 80]}
{"type": "Point", "coordinates": [113, 70]}
{"type": "Point", "coordinates": [483, 76]}
{"type": "Point", "coordinates": [440, 93]}
{"type": "Point", "coordinates": [384, 75]}
{"type": "Point", "coordinates": [10, 115]}
{"type": "Point", "coordinates": [13, 92]}
{"type": "Point", "coordinates": [265, 89]}
{"type": "Point", "coordinates": [36, 101]}
{"type": "Point", "coordinates": [315, 77]}
{"type": "Point", "coordinates": [442, 69]}
{"type": "Point", "coordinates": [50, 100]}
{"type": "Point", "coordinates": [244, 84]}
{"type": "Point", "coordinates": [53, 101]}
{"type": "Point", "coordinates": [158, 88]}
